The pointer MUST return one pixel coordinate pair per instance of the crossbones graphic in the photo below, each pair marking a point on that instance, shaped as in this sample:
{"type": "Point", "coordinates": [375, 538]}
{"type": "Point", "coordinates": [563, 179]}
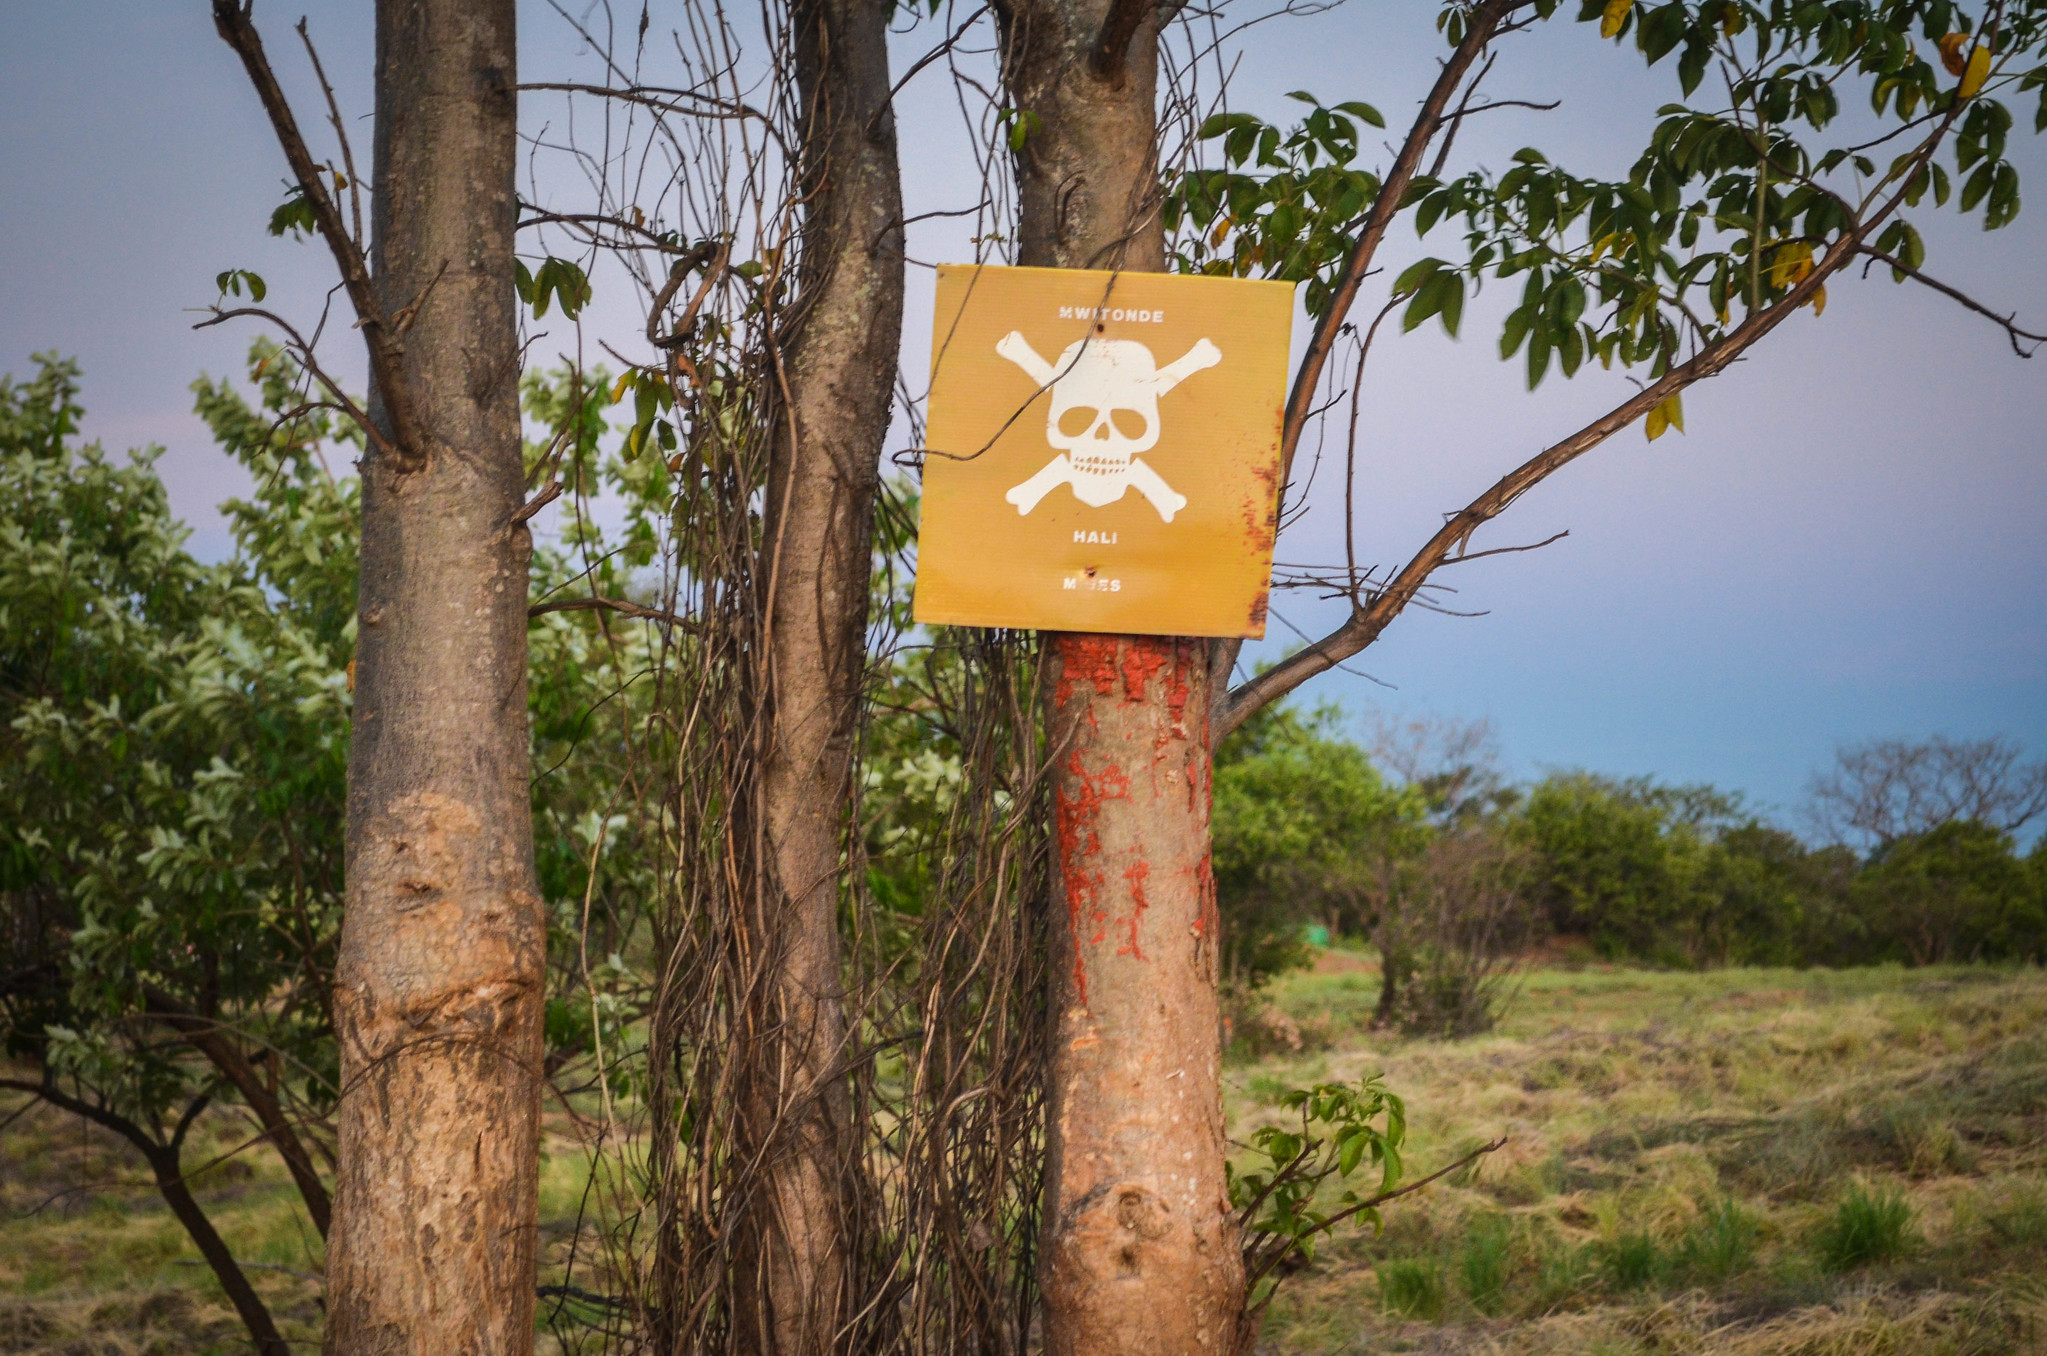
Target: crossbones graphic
{"type": "Point", "coordinates": [1105, 410]}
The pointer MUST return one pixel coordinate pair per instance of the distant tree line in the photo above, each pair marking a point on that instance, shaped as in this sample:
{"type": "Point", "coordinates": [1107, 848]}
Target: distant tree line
{"type": "Point", "coordinates": [1420, 846]}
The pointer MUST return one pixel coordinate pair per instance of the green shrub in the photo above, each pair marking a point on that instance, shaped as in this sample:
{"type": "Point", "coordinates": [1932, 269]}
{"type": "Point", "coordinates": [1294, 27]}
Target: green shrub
{"type": "Point", "coordinates": [1632, 1262]}
{"type": "Point", "coordinates": [1484, 1264]}
{"type": "Point", "coordinates": [1865, 1227]}
{"type": "Point", "coordinates": [1411, 1287]}
{"type": "Point", "coordinates": [1721, 1244]}
{"type": "Point", "coordinates": [1958, 892]}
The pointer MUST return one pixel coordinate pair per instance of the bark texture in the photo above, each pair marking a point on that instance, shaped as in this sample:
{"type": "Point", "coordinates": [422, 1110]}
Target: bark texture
{"type": "Point", "coordinates": [1141, 1252]}
{"type": "Point", "coordinates": [839, 359]}
{"type": "Point", "coordinates": [438, 986]}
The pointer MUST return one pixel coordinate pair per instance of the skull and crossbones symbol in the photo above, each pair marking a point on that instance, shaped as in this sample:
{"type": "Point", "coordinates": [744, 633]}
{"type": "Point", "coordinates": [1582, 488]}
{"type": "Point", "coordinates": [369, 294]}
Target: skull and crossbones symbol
{"type": "Point", "coordinates": [1104, 412]}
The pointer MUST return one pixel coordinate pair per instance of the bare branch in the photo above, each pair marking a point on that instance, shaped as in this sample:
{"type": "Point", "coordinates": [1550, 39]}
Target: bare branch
{"type": "Point", "coordinates": [618, 605]}
{"type": "Point", "coordinates": [1485, 18]}
{"type": "Point", "coordinates": [340, 133]}
{"type": "Point", "coordinates": [303, 349]}
{"type": "Point", "coordinates": [1461, 557]}
{"type": "Point", "coordinates": [952, 41]}
{"type": "Point", "coordinates": [536, 503]}
{"type": "Point", "coordinates": [2004, 322]}
{"type": "Point", "coordinates": [407, 445]}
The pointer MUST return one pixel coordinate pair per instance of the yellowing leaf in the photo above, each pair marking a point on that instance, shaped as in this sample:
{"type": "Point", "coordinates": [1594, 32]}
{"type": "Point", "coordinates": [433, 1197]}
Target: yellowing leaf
{"type": "Point", "coordinates": [1819, 300]}
{"type": "Point", "coordinates": [1791, 262]}
{"type": "Point", "coordinates": [1222, 230]}
{"type": "Point", "coordinates": [1977, 73]}
{"type": "Point", "coordinates": [1668, 415]}
{"type": "Point", "coordinates": [1951, 52]}
{"type": "Point", "coordinates": [618, 391]}
{"type": "Point", "coordinates": [1610, 21]}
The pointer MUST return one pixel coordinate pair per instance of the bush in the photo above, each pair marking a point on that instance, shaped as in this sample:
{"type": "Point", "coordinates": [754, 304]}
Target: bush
{"type": "Point", "coordinates": [1865, 1227]}
{"type": "Point", "coordinates": [1302, 822]}
{"type": "Point", "coordinates": [1956, 892]}
{"type": "Point", "coordinates": [1411, 1287]}
{"type": "Point", "coordinates": [1676, 875]}
{"type": "Point", "coordinates": [1452, 928]}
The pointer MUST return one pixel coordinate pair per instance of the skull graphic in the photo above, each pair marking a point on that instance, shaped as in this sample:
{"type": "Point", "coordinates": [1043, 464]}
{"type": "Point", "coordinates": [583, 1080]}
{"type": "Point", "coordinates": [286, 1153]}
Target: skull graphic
{"type": "Point", "coordinates": [1104, 412]}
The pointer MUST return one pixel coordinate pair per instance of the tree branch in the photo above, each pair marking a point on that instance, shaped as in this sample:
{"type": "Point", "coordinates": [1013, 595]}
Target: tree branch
{"type": "Point", "coordinates": [170, 1182]}
{"type": "Point", "coordinates": [2004, 322]}
{"type": "Point", "coordinates": [1367, 621]}
{"type": "Point", "coordinates": [618, 605]}
{"type": "Point", "coordinates": [1484, 20]}
{"type": "Point", "coordinates": [407, 444]}
{"type": "Point", "coordinates": [211, 1040]}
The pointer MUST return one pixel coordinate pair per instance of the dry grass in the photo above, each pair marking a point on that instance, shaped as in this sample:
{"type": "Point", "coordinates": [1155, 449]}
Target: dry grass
{"type": "Point", "coordinates": [1678, 1146]}
{"type": "Point", "coordinates": [93, 1264]}
{"type": "Point", "coordinates": [1681, 1151]}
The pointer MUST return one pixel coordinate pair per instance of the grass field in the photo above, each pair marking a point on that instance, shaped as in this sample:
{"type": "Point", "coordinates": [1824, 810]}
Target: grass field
{"type": "Point", "coordinates": [1744, 1161]}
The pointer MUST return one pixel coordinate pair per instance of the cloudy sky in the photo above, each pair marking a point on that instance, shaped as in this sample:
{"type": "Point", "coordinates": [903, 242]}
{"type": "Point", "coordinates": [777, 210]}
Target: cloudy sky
{"type": "Point", "coordinates": [1847, 543]}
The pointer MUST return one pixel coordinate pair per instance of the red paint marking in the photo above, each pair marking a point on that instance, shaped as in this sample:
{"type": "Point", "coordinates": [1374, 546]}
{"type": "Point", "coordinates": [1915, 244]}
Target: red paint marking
{"type": "Point", "coordinates": [1085, 658]}
{"type": "Point", "coordinates": [1077, 809]}
{"type": "Point", "coordinates": [1261, 510]}
{"type": "Point", "coordinates": [1141, 662]}
{"type": "Point", "coordinates": [1136, 876]}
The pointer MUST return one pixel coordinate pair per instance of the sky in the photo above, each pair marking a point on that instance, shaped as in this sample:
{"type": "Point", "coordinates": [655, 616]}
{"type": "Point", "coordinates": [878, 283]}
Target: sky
{"type": "Point", "coordinates": [1845, 544]}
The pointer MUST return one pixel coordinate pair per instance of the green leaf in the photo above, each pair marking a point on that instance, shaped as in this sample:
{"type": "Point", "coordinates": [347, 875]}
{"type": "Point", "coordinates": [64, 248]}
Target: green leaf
{"type": "Point", "coordinates": [1415, 274]}
{"type": "Point", "coordinates": [1453, 300]}
{"type": "Point", "coordinates": [1363, 112]}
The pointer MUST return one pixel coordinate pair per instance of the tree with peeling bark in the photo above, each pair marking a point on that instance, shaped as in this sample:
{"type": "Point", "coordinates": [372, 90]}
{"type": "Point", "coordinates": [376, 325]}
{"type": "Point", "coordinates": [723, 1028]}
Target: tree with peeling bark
{"type": "Point", "coordinates": [1729, 223]}
{"type": "Point", "coordinates": [438, 988]}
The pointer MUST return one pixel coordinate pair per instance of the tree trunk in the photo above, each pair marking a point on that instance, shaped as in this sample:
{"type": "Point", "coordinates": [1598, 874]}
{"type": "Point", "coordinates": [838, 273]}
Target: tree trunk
{"type": "Point", "coordinates": [1141, 1249]}
{"type": "Point", "coordinates": [438, 984]}
{"type": "Point", "coordinates": [840, 360]}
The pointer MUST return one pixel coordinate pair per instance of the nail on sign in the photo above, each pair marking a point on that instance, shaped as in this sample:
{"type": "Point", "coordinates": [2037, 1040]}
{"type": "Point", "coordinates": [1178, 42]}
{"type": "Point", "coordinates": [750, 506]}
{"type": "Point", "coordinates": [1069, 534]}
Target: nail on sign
{"type": "Point", "coordinates": [1102, 451]}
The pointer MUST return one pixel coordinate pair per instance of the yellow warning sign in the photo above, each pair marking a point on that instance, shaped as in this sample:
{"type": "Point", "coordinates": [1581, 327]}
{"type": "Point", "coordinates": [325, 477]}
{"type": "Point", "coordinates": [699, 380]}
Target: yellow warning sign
{"type": "Point", "coordinates": [1102, 451]}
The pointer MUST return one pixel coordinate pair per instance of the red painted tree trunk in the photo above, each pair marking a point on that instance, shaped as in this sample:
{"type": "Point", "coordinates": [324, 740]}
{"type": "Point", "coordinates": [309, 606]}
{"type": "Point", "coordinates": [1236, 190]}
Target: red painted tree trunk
{"type": "Point", "coordinates": [1142, 1252]}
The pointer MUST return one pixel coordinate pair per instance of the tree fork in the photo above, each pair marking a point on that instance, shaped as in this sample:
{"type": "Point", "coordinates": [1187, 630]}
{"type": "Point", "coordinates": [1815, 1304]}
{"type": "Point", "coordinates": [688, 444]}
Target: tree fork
{"type": "Point", "coordinates": [1141, 1250]}
{"type": "Point", "coordinates": [164, 1159]}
